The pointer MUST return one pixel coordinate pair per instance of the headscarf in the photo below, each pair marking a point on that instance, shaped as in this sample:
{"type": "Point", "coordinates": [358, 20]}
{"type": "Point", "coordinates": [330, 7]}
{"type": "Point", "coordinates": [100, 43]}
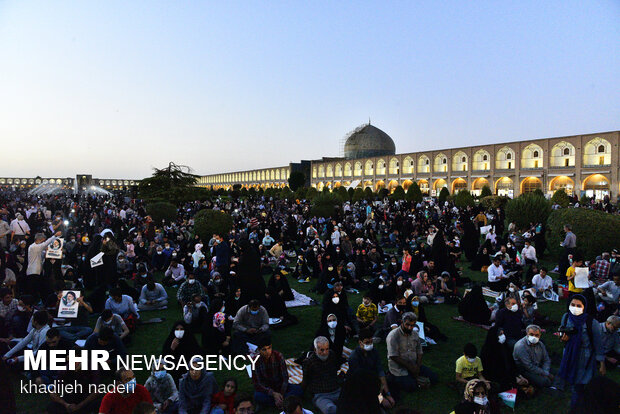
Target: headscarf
{"type": "Point", "coordinates": [568, 366]}
{"type": "Point", "coordinates": [198, 246]}
{"type": "Point", "coordinates": [471, 385]}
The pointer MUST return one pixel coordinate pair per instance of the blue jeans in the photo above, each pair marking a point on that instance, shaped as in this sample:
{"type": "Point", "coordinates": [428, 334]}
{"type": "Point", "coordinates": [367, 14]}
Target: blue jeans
{"type": "Point", "coordinates": [326, 402]}
{"type": "Point", "coordinates": [73, 333]}
{"type": "Point", "coordinates": [266, 399]}
{"type": "Point", "coordinates": [402, 273]}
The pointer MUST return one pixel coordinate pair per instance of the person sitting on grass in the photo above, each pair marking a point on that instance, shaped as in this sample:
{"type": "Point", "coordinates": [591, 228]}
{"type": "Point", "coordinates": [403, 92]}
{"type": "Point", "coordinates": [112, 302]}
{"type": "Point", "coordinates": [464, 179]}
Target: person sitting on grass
{"type": "Point", "coordinates": [251, 325]}
{"type": "Point", "coordinates": [113, 321]}
{"type": "Point", "coordinates": [196, 389]}
{"type": "Point", "coordinates": [532, 358]}
{"type": "Point", "coordinates": [108, 341]}
{"type": "Point", "coordinates": [244, 405]}
{"type": "Point", "coordinates": [321, 376]}
{"type": "Point", "coordinates": [124, 306]}
{"type": "Point", "coordinates": [367, 313]}
{"type": "Point", "coordinates": [469, 365]}
{"type": "Point", "coordinates": [223, 402]}
{"type": "Point", "coordinates": [293, 405]}
{"type": "Point", "coordinates": [476, 401]}
{"type": "Point", "coordinates": [180, 342]}
{"type": "Point", "coordinates": [153, 296]}
{"type": "Point", "coordinates": [163, 390]}
{"type": "Point", "coordinates": [542, 283]}
{"type": "Point", "coordinates": [270, 377]}
{"type": "Point", "coordinates": [188, 289]}
{"type": "Point", "coordinates": [195, 313]}
{"type": "Point", "coordinates": [127, 395]}
{"type": "Point", "coordinates": [36, 337]}
{"type": "Point", "coordinates": [509, 321]}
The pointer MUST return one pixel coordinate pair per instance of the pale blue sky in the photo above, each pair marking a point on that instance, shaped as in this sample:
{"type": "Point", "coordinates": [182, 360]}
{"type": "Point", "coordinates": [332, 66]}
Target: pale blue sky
{"type": "Point", "coordinates": [113, 88]}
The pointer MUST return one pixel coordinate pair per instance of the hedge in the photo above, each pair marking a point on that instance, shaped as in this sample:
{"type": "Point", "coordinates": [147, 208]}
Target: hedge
{"type": "Point", "coordinates": [325, 205]}
{"type": "Point", "coordinates": [464, 199]}
{"type": "Point", "coordinates": [161, 210]}
{"type": "Point", "coordinates": [528, 208]}
{"type": "Point", "coordinates": [560, 197]}
{"type": "Point", "coordinates": [208, 222]}
{"type": "Point", "coordinates": [596, 230]}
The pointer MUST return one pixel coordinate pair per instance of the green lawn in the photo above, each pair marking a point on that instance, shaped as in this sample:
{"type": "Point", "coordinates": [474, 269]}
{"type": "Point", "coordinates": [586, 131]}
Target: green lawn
{"type": "Point", "coordinates": [290, 341]}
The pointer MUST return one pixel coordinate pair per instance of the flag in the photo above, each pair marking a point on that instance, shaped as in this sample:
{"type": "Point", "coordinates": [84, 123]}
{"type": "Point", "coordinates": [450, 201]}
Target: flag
{"type": "Point", "coordinates": [519, 259]}
{"type": "Point", "coordinates": [509, 397]}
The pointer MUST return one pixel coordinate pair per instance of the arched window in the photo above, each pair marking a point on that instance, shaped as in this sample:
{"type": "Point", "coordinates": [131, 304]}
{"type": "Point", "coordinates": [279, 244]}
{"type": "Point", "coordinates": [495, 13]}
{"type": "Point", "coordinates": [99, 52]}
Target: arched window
{"type": "Point", "coordinates": [601, 148]}
{"type": "Point", "coordinates": [566, 151]}
{"type": "Point", "coordinates": [509, 156]}
{"type": "Point", "coordinates": [535, 154]}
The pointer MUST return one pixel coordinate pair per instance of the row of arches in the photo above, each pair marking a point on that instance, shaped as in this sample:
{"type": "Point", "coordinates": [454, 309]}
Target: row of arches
{"type": "Point", "coordinates": [596, 152]}
{"type": "Point", "coordinates": [279, 174]}
{"type": "Point", "coordinates": [595, 185]}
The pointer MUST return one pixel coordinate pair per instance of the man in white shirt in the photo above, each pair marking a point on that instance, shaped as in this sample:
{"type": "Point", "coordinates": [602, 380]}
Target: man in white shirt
{"type": "Point", "coordinates": [497, 279]}
{"type": "Point", "coordinates": [36, 283]}
{"type": "Point", "coordinates": [19, 228]}
{"type": "Point", "coordinates": [529, 253]}
{"type": "Point", "coordinates": [542, 282]}
{"type": "Point", "coordinates": [336, 237]}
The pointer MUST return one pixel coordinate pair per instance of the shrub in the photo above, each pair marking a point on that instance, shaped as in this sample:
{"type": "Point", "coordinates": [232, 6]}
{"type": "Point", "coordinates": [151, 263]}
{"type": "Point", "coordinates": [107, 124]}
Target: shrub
{"type": "Point", "coordinates": [301, 193]}
{"type": "Point", "coordinates": [161, 210]}
{"type": "Point", "coordinates": [464, 199]}
{"type": "Point", "coordinates": [414, 193]}
{"type": "Point", "coordinates": [382, 193]}
{"type": "Point", "coordinates": [368, 194]}
{"type": "Point", "coordinates": [528, 208]}
{"type": "Point", "coordinates": [399, 193]}
{"type": "Point", "coordinates": [325, 205]}
{"type": "Point", "coordinates": [286, 193]}
{"type": "Point", "coordinates": [342, 193]}
{"type": "Point", "coordinates": [311, 193]}
{"type": "Point", "coordinates": [560, 197]}
{"type": "Point", "coordinates": [358, 195]}
{"type": "Point", "coordinates": [296, 180]}
{"type": "Point", "coordinates": [596, 230]}
{"type": "Point", "coordinates": [208, 222]}
{"type": "Point", "coordinates": [485, 192]}
{"type": "Point", "coordinates": [584, 200]}
{"type": "Point", "coordinates": [443, 195]}
{"type": "Point", "coordinates": [494, 201]}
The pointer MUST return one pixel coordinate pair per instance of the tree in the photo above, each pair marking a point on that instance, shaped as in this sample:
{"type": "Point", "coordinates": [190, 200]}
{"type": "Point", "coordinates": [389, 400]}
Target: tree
{"type": "Point", "coordinates": [358, 195]}
{"type": "Point", "coordinates": [208, 222]}
{"type": "Point", "coordinates": [311, 193]}
{"type": "Point", "coordinates": [342, 193]}
{"type": "Point", "coordinates": [382, 193]}
{"type": "Point", "coordinates": [485, 192]}
{"type": "Point", "coordinates": [368, 194]}
{"type": "Point", "coordinates": [414, 193]}
{"type": "Point", "coordinates": [325, 205]}
{"type": "Point", "coordinates": [528, 208]}
{"type": "Point", "coordinates": [560, 197]}
{"type": "Point", "coordinates": [296, 179]}
{"type": "Point", "coordinates": [161, 210]}
{"type": "Point", "coordinates": [173, 183]}
{"type": "Point", "coordinates": [301, 192]}
{"type": "Point", "coordinates": [286, 193]}
{"type": "Point", "coordinates": [464, 199]}
{"type": "Point", "coordinates": [443, 195]}
{"type": "Point", "coordinates": [399, 193]}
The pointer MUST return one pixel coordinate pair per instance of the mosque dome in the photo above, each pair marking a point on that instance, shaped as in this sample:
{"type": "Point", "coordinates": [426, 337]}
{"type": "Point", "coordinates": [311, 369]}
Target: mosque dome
{"type": "Point", "coordinates": [368, 141]}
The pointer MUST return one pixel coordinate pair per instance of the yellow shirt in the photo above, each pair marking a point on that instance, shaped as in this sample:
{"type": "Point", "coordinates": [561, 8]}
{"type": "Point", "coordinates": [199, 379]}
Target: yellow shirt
{"type": "Point", "coordinates": [571, 286]}
{"type": "Point", "coordinates": [368, 313]}
{"type": "Point", "coordinates": [469, 369]}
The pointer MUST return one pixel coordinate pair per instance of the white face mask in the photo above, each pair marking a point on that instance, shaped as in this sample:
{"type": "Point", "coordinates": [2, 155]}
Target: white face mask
{"type": "Point", "coordinates": [179, 334]}
{"type": "Point", "coordinates": [399, 283]}
{"type": "Point", "coordinates": [330, 268]}
{"type": "Point", "coordinates": [514, 308]}
{"type": "Point", "coordinates": [533, 340]}
{"type": "Point", "coordinates": [380, 287]}
{"type": "Point", "coordinates": [481, 400]}
{"type": "Point", "coordinates": [336, 300]}
{"type": "Point", "coordinates": [471, 360]}
{"type": "Point", "coordinates": [368, 347]}
{"type": "Point", "coordinates": [501, 339]}
{"type": "Point", "coordinates": [511, 289]}
{"type": "Point", "coordinates": [21, 308]}
{"type": "Point", "coordinates": [575, 310]}
{"type": "Point", "coordinates": [191, 281]}
{"type": "Point", "coordinates": [332, 324]}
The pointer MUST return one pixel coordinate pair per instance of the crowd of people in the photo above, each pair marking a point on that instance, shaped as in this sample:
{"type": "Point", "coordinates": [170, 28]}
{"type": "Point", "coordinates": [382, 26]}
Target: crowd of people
{"type": "Point", "coordinates": [232, 290]}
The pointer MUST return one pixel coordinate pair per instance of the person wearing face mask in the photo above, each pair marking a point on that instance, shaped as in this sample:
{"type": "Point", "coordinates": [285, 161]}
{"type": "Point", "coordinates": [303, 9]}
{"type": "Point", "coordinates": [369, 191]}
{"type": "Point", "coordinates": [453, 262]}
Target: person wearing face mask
{"type": "Point", "coordinates": [126, 397]}
{"type": "Point", "coordinates": [367, 313]}
{"type": "Point", "coordinates": [497, 362]}
{"type": "Point", "coordinates": [163, 390]}
{"type": "Point", "coordinates": [159, 261]}
{"type": "Point", "coordinates": [196, 389]}
{"type": "Point", "coordinates": [469, 365]}
{"type": "Point", "coordinates": [153, 296]}
{"type": "Point", "coordinates": [251, 324]}
{"type": "Point", "coordinates": [195, 313]}
{"type": "Point", "coordinates": [113, 321]}
{"type": "Point", "coordinates": [334, 331]}
{"type": "Point", "coordinates": [582, 347]}
{"type": "Point", "coordinates": [188, 289]}
{"type": "Point", "coordinates": [475, 400]}
{"type": "Point", "coordinates": [532, 358]}
{"type": "Point", "coordinates": [336, 301]}
{"type": "Point", "coordinates": [175, 274]}
{"type": "Point", "coordinates": [610, 343]}
{"type": "Point", "coordinates": [217, 286]}
{"type": "Point", "coordinates": [366, 357]}
{"type": "Point", "coordinates": [509, 320]}
{"type": "Point", "coordinates": [279, 283]}
{"type": "Point", "coordinates": [180, 342]}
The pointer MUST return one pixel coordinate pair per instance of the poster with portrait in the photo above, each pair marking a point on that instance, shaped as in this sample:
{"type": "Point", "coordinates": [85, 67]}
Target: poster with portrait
{"type": "Point", "coordinates": [68, 307]}
{"type": "Point", "coordinates": [54, 249]}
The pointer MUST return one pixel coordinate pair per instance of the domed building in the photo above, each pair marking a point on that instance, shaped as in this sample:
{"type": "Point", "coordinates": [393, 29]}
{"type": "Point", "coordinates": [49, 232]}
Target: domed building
{"type": "Point", "coordinates": [368, 141]}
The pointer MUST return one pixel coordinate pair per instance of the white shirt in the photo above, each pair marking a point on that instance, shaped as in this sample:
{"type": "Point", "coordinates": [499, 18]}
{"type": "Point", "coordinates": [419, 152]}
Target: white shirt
{"type": "Point", "coordinates": [496, 273]}
{"type": "Point", "coordinates": [529, 253]}
{"type": "Point", "coordinates": [336, 238]}
{"type": "Point", "coordinates": [36, 252]}
{"type": "Point", "coordinates": [20, 227]}
{"type": "Point", "coordinates": [542, 284]}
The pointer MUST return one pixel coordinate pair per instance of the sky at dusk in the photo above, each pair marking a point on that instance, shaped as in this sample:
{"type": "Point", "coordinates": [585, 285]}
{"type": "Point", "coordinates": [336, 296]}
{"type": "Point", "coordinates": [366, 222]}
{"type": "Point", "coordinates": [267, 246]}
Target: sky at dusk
{"type": "Point", "coordinates": [114, 88]}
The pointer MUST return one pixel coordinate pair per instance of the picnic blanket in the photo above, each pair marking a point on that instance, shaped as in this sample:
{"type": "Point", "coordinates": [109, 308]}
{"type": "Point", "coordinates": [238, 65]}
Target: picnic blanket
{"type": "Point", "coordinates": [460, 319]}
{"type": "Point", "coordinates": [298, 300]}
{"type": "Point", "coordinates": [296, 373]}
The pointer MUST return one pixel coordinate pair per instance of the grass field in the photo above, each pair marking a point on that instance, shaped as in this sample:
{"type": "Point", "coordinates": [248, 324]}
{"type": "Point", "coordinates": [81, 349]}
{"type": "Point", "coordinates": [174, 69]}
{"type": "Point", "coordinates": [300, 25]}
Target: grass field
{"type": "Point", "coordinates": [441, 357]}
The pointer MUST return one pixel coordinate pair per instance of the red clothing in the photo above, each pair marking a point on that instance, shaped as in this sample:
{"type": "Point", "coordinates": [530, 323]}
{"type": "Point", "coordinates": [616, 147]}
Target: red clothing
{"type": "Point", "coordinates": [115, 403]}
{"type": "Point", "coordinates": [406, 263]}
{"type": "Point", "coordinates": [219, 398]}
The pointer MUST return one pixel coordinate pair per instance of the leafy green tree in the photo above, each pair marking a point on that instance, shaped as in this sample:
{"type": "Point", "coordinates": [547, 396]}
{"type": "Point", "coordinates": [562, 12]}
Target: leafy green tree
{"type": "Point", "coordinates": [358, 195]}
{"type": "Point", "coordinates": [161, 210]}
{"type": "Point", "coordinates": [208, 222]}
{"type": "Point", "coordinates": [342, 193]}
{"type": "Point", "coordinates": [414, 193]}
{"type": "Point", "coordinates": [464, 199]}
{"type": "Point", "coordinates": [286, 193]}
{"type": "Point", "coordinates": [399, 193]}
{"type": "Point", "coordinates": [382, 193]}
{"type": "Point", "coordinates": [485, 192]}
{"type": "Point", "coordinates": [528, 208]}
{"type": "Point", "coordinates": [368, 194]}
{"type": "Point", "coordinates": [311, 193]}
{"type": "Point", "coordinates": [173, 183]}
{"type": "Point", "coordinates": [560, 197]}
{"type": "Point", "coordinates": [443, 194]}
{"type": "Point", "coordinates": [301, 193]}
{"type": "Point", "coordinates": [296, 179]}
{"type": "Point", "coordinates": [326, 205]}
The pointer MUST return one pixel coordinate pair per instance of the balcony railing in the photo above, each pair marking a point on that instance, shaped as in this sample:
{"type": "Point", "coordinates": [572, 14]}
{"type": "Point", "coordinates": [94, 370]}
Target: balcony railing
{"type": "Point", "coordinates": [596, 165]}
